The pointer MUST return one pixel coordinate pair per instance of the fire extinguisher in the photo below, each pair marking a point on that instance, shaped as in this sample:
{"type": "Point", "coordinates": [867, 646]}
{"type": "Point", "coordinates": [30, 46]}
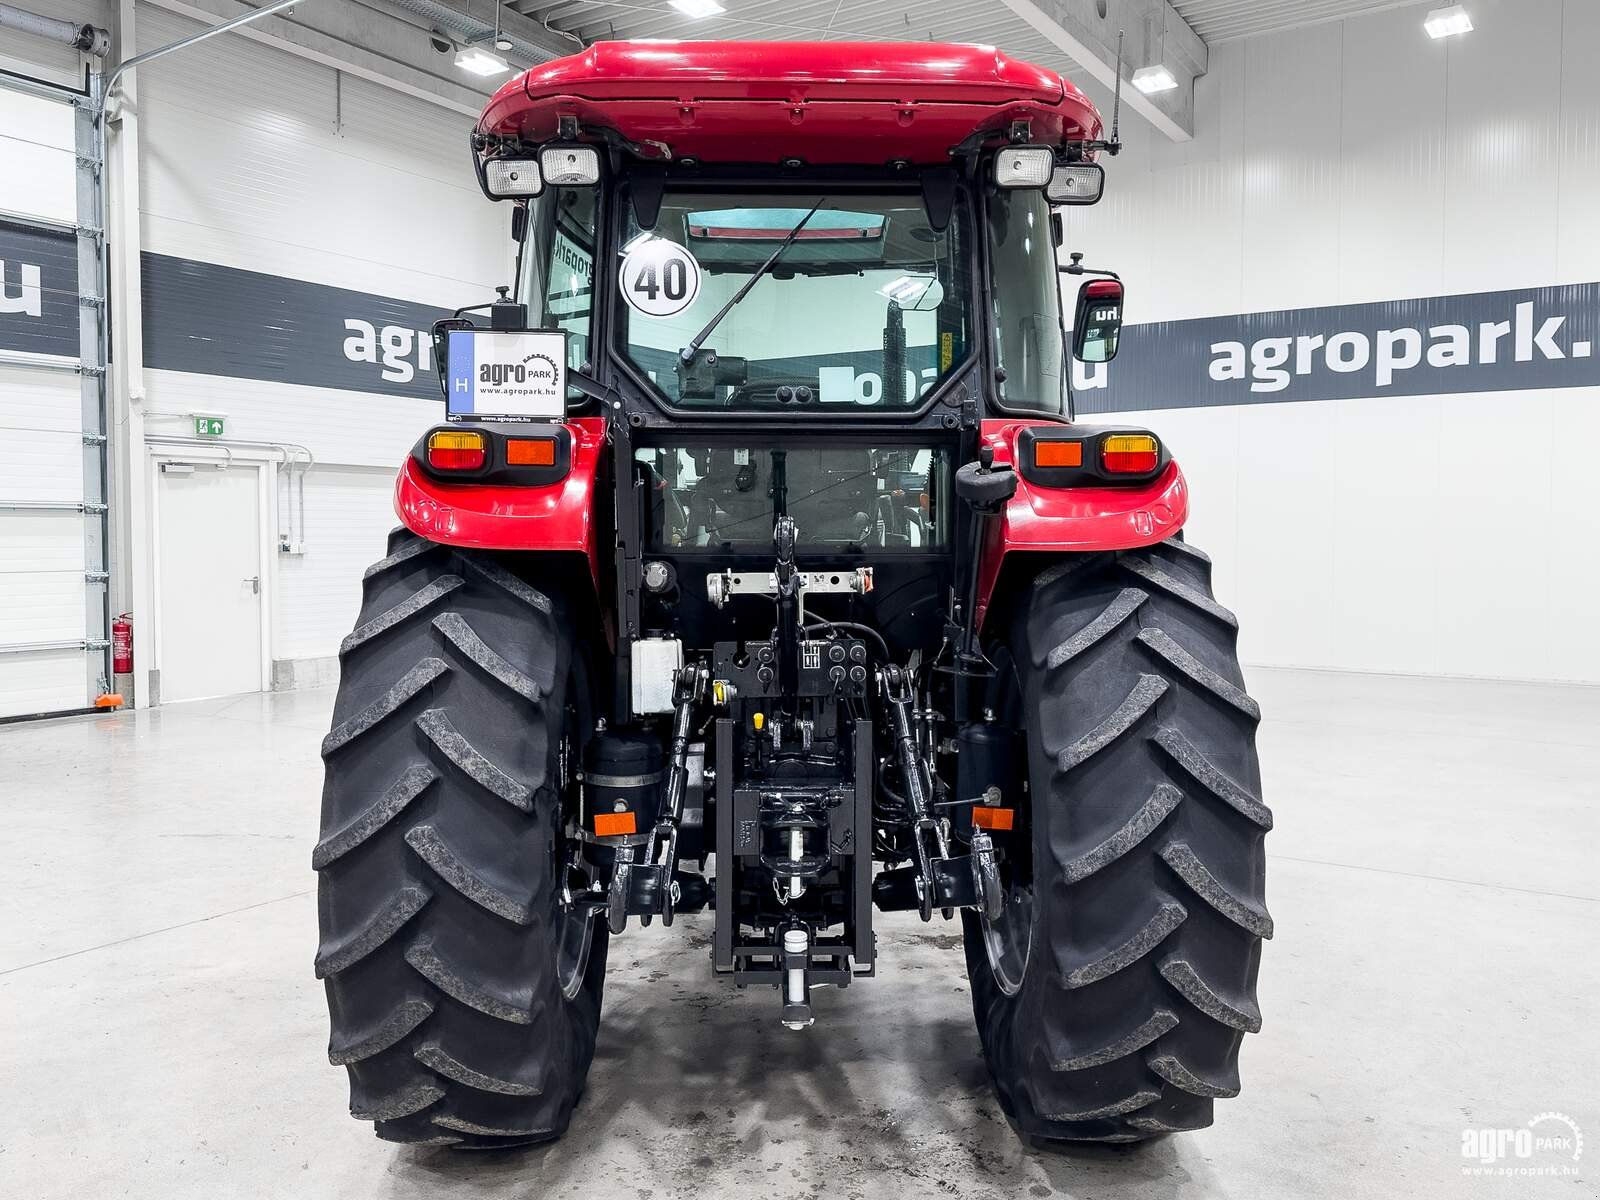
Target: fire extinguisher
{"type": "Point", "coordinates": [122, 644]}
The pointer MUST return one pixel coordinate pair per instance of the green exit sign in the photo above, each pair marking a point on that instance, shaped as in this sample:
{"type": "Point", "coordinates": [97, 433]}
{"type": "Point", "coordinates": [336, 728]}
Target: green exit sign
{"type": "Point", "coordinates": [208, 427]}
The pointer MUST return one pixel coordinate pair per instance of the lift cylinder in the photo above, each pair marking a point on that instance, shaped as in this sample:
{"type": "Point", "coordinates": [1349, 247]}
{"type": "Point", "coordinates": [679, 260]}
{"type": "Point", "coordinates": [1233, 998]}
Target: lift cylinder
{"type": "Point", "coordinates": [624, 777]}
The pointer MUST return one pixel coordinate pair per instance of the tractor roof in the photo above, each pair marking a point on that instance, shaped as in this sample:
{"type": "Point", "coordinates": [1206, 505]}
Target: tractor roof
{"type": "Point", "coordinates": [821, 102]}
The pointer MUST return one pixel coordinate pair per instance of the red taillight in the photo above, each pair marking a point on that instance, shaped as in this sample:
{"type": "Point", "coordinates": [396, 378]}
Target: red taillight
{"type": "Point", "coordinates": [453, 450]}
{"type": "Point", "coordinates": [1130, 454]}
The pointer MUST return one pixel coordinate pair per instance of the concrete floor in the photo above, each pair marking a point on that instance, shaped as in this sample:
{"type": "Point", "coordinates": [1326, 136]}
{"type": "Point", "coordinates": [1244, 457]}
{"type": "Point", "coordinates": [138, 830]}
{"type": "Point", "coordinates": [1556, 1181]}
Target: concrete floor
{"type": "Point", "coordinates": [1432, 877]}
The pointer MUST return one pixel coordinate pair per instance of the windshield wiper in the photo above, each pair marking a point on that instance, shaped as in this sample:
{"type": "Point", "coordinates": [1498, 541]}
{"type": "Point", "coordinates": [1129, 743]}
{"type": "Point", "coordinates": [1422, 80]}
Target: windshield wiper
{"type": "Point", "coordinates": [688, 353]}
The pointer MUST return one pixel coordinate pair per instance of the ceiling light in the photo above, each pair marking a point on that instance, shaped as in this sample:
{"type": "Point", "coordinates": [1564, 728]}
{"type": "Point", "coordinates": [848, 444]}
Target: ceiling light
{"type": "Point", "coordinates": [903, 288]}
{"type": "Point", "coordinates": [1154, 79]}
{"type": "Point", "coordinates": [502, 42]}
{"type": "Point", "coordinates": [1447, 22]}
{"type": "Point", "coordinates": [480, 61]}
{"type": "Point", "coordinates": [697, 8]}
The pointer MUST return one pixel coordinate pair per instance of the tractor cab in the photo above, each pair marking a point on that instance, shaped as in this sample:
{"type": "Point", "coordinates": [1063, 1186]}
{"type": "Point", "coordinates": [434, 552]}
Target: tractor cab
{"type": "Point", "coordinates": [902, 192]}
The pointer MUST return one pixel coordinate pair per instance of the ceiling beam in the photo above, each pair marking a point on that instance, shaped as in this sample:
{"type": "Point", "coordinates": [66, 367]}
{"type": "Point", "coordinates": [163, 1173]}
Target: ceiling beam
{"type": "Point", "coordinates": [1154, 32]}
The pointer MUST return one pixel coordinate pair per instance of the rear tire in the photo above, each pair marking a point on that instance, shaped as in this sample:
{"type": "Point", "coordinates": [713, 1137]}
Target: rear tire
{"type": "Point", "coordinates": [464, 997]}
{"type": "Point", "coordinates": [1114, 993]}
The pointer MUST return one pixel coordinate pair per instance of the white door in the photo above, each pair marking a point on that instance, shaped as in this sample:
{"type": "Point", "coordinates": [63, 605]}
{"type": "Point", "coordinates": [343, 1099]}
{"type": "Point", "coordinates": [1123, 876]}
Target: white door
{"type": "Point", "coordinates": [209, 563]}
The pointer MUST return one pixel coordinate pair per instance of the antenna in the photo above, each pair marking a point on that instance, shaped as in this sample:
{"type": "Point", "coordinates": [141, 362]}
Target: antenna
{"type": "Point", "coordinates": [1114, 146]}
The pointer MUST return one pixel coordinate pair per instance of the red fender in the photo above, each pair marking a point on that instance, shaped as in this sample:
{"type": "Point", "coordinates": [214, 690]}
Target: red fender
{"type": "Point", "coordinates": [558, 516]}
{"type": "Point", "coordinates": [1074, 519]}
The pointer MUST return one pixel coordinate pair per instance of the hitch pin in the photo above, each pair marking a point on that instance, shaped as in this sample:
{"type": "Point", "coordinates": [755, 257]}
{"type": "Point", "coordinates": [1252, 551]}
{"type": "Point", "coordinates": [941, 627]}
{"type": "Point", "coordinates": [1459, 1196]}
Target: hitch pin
{"type": "Point", "coordinates": [797, 851]}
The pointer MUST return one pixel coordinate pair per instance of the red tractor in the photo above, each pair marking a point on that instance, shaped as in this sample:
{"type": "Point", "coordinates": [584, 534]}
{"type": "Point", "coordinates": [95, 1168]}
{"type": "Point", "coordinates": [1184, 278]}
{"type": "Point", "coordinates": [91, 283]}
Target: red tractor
{"type": "Point", "coordinates": [761, 568]}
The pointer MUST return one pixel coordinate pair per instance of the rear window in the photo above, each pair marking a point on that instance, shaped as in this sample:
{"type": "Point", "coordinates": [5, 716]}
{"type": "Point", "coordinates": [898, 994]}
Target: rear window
{"type": "Point", "coordinates": [867, 309]}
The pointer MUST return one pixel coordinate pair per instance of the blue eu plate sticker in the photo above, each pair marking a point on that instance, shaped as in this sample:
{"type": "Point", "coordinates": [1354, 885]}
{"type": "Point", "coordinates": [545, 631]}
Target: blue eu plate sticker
{"type": "Point", "coordinates": [508, 375]}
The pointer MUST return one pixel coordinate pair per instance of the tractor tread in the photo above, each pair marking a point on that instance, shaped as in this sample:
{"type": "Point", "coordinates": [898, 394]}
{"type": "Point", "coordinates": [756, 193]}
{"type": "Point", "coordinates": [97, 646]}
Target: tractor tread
{"type": "Point", "coordinates": [423, 597]}
{"type": "Point", "coordinates": [498, 1131]}
{"type": "Point", "coordinates": [454, 870]}
{"type": "Point", "coordinates": [1155, 931]}
{"type": "Point", "coordinates": [395, 1026]}
{"type": "Point", "coordinates": [1067, 568]}
{"type": "Point", "coordinates": [514, 585]}
{"type": "Point", "coordinates": [1185, 548]}
{"type": "Point", "coordinates": [1216, 781]}
{"type": "Point", "coordinates": [465, 639]}
{"type": "Point", "coordinates": [411, 784]}
{"type": "Point", "coordinates": [407, 551]}
{"type": "Point", "coordinates": [1151, 1028]}
{"type": "Point", "coordinates": [385, 923]}
{"type": "Point", "coordinates": [402, 1103]}
{"type": "Point", "coordinates": [409, 686]}
{"type": "Point", "coordinates": [449, 980]}
{"type": "Point", "coordinates": [1119, 610]}
{"type": "Point", "coordinates": [436, 725]}
{"type": "Point", "coordinates": [1115, 1109]}
{"type": "Point", "coordinates": [1161, 643]}
{"type": "Point", "coordinates": [1163, 800]}
{"type": "Point", "coordinates": [1157, 1125]}
{"type": "Point", "coordinates": [411, 1139]}
{"type": "Point", "coordinates": [1181, 1077]}
{"type": "Point", "coordinates": [433, 1056]}
{"type": "Point", "coordinates": [1146, 569]}
{"type": "Point", "coordinates": [1188, 867]}
{"type": "Point", "coordinates": [1135, 705]}
{"type": "Point", "coordinates": [1181, 974]}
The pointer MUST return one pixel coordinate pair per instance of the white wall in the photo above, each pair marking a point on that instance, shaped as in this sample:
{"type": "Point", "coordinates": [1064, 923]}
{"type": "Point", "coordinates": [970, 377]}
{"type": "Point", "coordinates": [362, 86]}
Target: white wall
{"type": "Point", "coordinates": [256, 159]}
{"type": "Point", "coordinates": [1361, 161]}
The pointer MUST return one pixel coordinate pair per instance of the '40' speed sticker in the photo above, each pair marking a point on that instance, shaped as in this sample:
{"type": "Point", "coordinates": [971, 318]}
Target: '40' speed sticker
{"type": "Point", "coordinates": [659, 278]}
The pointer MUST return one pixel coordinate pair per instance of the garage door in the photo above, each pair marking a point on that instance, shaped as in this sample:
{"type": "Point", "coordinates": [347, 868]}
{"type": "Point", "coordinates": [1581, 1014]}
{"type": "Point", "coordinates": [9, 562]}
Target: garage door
{"type": "Point", "coordinates": [53, 622]}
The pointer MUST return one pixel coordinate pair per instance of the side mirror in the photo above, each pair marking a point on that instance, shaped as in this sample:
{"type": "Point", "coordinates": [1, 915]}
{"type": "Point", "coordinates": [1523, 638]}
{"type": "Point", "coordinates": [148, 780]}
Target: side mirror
{"type": "Point", "coordinates": [1097, 323]}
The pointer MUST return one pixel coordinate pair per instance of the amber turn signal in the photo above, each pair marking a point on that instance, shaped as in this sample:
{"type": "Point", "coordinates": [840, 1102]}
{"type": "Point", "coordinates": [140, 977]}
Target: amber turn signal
{"type": "Point", "coordinates": [530, 452]}
{"type": "Point", "coordinates": [457, 450]}
{"type": "Point", "coordinates": [1057, 454]}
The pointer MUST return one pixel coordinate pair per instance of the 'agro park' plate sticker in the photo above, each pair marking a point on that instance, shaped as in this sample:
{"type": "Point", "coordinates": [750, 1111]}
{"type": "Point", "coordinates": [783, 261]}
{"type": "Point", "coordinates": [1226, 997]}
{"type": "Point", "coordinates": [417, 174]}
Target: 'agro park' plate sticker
{"type": "Point", "coordinates": [659, 278]}
{"type": "Point", "coordinates": [500, 374]}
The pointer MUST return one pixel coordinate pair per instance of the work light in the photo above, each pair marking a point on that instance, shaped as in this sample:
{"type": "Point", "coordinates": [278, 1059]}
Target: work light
{"type": "Point", "coordinates": [1077, 183]}
{"type": "Point", "coordinates": [570, 166]}
{"type": "Point", "coordinates": [512, 177]}
{"type": "Point", "coordinates": [1024, 166]}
